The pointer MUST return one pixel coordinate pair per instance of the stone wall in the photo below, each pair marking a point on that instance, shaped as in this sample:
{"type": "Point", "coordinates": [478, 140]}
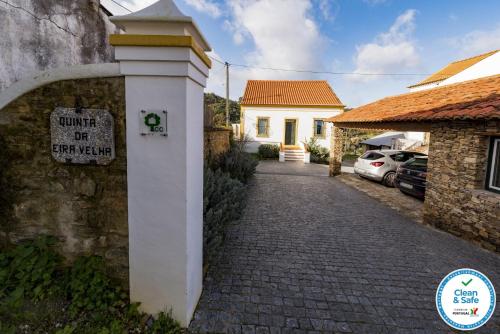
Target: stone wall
{"type": "Point", "coordinates": [456, 200]}
{"type": "Point", "coordinates": [336, 151]}
{"type": "Point", "coordinates": [39, 35]}
{"type": "Point", "coordinates": [84, 206]}
{"type": "Point", "coordinates": [217, 141]}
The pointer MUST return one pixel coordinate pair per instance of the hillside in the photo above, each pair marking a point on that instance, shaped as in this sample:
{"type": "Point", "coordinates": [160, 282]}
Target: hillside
{"type": "Point", "coordinates": [216, 106]}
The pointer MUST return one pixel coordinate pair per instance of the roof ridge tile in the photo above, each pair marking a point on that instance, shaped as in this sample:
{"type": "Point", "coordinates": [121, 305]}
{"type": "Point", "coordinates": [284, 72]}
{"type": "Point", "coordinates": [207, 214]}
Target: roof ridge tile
{"type": "Point", "coordinates": [290, 92]}
{"type": "Point", "coordinates": [473, 99]}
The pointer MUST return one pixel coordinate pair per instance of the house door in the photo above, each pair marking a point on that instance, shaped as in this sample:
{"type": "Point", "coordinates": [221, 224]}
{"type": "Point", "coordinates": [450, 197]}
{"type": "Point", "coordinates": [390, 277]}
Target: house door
{"type": "Point", "coordinates": [290, 125]}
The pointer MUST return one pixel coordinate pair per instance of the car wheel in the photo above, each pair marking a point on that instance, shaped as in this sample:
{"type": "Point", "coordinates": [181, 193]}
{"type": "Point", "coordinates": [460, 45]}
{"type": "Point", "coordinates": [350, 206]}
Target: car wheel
{"type": "Point", "coordinates": [389, 179]}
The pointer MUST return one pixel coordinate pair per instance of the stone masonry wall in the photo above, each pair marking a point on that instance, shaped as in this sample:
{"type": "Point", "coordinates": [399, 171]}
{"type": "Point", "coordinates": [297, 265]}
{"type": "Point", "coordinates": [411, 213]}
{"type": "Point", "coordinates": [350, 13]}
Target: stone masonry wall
{"type": "Point", "coordinates": [217, 142]}
{"type": "Point", "coordinates": [336, 151]}
{"type": "Point", "coordinates": [38, 35]}
{"type": "Point", "coordinates": [456, 200]}
{"type": "Point", "coordinates": [84, 206]}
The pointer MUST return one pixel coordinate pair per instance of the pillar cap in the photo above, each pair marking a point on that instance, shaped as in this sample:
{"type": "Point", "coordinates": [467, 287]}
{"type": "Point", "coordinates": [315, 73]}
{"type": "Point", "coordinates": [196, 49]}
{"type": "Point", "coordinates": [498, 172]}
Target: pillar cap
{"type": "Point", "coordinates": [159, 13]}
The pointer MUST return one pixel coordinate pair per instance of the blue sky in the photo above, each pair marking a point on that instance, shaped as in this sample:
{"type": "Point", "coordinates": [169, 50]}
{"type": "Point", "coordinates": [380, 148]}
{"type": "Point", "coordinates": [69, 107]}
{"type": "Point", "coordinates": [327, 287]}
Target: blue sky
{"type": "Point", "coordinates": [360, 36]}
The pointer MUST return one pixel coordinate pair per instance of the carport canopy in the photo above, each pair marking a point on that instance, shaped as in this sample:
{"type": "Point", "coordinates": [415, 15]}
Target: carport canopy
{"type": "Point", "coordinates": [471, 100]}
{"type": "Point", "coordinates": [474, 100]}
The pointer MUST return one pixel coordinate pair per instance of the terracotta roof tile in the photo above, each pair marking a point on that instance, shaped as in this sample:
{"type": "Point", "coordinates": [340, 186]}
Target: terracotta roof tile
{"type": "Point", "coordinates": [289, 92]}
{"type": "Point", "coordinates": [453, 68]}
{"type": "Point", "coordinates": [475, 99]}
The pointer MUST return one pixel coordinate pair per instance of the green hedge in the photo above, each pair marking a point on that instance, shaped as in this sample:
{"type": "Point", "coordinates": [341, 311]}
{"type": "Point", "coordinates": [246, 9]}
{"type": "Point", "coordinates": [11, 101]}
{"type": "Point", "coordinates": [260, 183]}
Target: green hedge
{"type": "Point", "coordinates": [269, 151]}
{"type": "Point", "coordinates": [237, 163]}
{"type": "Point", "coordinates": [223, 201]}
{"type": "Point", "coordinates": [224, 194]}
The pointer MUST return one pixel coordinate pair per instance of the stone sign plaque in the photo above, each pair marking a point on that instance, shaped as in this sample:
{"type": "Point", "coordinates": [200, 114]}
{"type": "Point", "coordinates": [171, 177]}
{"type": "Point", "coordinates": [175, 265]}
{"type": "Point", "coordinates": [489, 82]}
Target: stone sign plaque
{"type": "Point", "coordinates": [82, 136]}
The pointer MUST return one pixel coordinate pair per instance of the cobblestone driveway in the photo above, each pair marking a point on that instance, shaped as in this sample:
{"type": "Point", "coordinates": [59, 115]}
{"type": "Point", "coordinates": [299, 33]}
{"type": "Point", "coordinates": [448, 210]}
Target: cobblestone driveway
{"type": "Point", "coordinates": [311, 254]}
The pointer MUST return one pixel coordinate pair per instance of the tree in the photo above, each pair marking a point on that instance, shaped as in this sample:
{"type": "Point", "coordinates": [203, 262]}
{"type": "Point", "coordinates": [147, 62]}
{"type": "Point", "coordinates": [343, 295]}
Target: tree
{"type": "Point", "coordinates": [216, 107]}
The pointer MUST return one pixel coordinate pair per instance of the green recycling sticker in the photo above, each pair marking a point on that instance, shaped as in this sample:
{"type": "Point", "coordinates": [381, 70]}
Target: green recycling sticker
{"type": "Point", "coordinates": [154, 123]}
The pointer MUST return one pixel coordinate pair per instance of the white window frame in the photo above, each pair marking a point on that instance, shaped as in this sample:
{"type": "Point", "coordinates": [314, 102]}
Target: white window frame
{"type": "Point", "coordinates": [494, 147]}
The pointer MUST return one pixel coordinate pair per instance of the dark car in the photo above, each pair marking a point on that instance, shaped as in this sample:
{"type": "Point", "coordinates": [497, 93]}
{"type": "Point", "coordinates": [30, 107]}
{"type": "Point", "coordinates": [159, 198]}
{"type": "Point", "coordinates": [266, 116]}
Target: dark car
{"type": "Point", "coordinates": [410, 177]}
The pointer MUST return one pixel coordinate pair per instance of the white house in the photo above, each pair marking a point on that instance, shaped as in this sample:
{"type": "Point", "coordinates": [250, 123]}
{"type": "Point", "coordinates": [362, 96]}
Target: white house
{"type": "Point", "coordinates": [287, 113]}
{"type": "Point", "coordinates": [483, 65]}
{"type": "Point", "coordinates": [462, 70]}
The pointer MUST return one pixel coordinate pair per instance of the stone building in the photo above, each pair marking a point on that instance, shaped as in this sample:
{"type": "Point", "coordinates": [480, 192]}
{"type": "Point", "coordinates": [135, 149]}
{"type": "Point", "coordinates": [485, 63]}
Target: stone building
{"type": "Point", "coordinates": [463, 176]}
{"type": "Point", "coordinates": [41, 35]}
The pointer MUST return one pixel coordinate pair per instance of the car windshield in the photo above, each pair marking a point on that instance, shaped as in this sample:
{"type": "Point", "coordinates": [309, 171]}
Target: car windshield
{"type": "Point", "coordinates": [401, 156]}
{"type": "Point", "coordinates": [405, 156]}
{"type": "Point", "coordinates": [372, 156]}
{"type": "Point", "coordinates": [417, 163]}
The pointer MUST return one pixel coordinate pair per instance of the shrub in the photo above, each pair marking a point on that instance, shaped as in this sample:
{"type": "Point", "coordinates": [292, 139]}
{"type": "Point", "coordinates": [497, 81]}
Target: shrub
{"type": "Point", "coordinates": [223, 201]}
{"type": "Point", "coordinates": [37, 291]}
{"type": "Point", "coordinates": [164, 323]}
{"type": "Point", "coordinates": [28, 271]}
{"type": "Point", "coordinates": [224, 194]}
{"type": "Point", "coordinates": [319, 154]}
{"type": "Point", "coordinates": [269, 151]}
{"type": "Point", "coordinates": [238, 164]}
{"type": "Point", "coordinates": [90, 289]}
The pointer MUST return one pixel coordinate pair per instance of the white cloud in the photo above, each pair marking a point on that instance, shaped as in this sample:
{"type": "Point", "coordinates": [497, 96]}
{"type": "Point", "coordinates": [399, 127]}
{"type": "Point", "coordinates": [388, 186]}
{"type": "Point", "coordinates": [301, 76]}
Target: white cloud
{"type": "Point", "coordinates": [329, 9]}
{"type": "Point", "coordinates": [205, 6]}
{"type": "Point", "coordinates": [391, 51]}
{"type": "Point", "coordinates": [453, 17]}
{"type": "Point", "coordinates": [208, 7]}
{"type": "Point", "coordinates": [283, 34]}
{"type": "Point", "coordinates": [374, 2]}
{"type": "Point", "coordinates": [136, 5]}
{"type": "Point", "coordinates": [293, 42]}
{"type": "Point", "coordinates": [122, 7]}
{"type": "Point", "coordinates": [477, 42]}
{"type": "Point", "coordinates": [239, 34]}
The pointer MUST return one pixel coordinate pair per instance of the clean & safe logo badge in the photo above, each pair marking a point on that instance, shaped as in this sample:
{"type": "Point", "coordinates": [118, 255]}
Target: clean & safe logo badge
{"type": "Point", "coordinates": [465, 299]}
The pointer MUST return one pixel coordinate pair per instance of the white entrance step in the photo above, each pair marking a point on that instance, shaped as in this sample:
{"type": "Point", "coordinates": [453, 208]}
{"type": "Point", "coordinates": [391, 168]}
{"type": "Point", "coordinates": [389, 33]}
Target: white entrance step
{"type": "Point", "coordinates": [294, 155]}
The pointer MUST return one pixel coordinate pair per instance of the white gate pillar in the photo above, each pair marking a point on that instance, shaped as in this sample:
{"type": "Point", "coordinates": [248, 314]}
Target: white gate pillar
{"type": "Point", "coordinates": [162, 55]}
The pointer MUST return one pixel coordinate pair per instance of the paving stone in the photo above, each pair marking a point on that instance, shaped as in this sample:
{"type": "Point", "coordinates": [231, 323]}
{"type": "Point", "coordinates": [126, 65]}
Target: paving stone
{"type": "Point", "coordinates": [311, 253]}
{"type": "Point", "coordinates": [261, 330]}
{"type": "Point", "coordinates": [248, 329]}
{"type": "Point", "coordinates": [292, 323]}
{"type": "Point", "coordinates": [234, 329]}
{"type": "Point", "coordinates": [344, 327]}
{"type": "Point", "coordinates": [305, 323]}
{"type": "Point", "coordinates": [329, 325]}
{"type": "Point", "coordinates": [275, 330]}
{"type": "Point", "coordinates": [317, 324]}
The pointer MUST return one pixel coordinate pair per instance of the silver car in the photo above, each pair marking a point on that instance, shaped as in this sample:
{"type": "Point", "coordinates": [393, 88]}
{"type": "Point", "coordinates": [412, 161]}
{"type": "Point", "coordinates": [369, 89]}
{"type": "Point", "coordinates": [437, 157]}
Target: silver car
{"type": "Point", "coordinates": [381, 165]}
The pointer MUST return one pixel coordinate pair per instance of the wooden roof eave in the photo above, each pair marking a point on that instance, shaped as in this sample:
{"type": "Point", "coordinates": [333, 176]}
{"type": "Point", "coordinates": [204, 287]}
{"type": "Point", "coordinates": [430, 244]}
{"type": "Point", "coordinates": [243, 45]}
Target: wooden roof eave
{"type": "Point", "coordinates": [386, 126]}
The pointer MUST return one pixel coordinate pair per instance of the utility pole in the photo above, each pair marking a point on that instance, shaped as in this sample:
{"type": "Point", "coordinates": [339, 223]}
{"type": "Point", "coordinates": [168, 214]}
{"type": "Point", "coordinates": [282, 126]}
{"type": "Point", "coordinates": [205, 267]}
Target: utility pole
{"type": "Point", "coordinates": [227, 94]}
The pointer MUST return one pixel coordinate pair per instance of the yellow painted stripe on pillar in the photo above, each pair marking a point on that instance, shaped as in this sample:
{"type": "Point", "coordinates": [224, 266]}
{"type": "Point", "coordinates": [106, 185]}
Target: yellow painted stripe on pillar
{"type": "Point", "coordinates": [160, 40]}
